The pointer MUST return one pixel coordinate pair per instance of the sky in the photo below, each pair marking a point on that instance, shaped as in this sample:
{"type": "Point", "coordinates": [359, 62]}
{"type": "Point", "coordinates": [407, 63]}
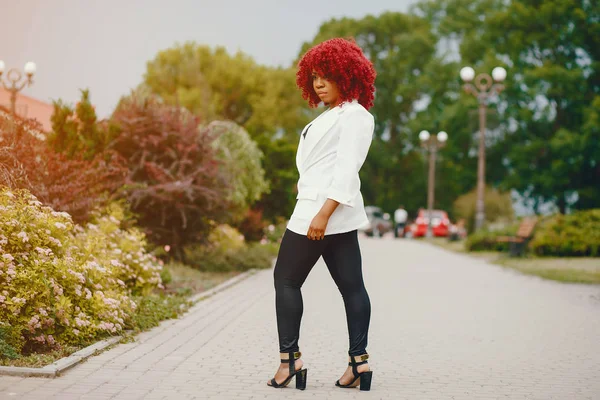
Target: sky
{"type": "Point", "coordinates": [104, 45]}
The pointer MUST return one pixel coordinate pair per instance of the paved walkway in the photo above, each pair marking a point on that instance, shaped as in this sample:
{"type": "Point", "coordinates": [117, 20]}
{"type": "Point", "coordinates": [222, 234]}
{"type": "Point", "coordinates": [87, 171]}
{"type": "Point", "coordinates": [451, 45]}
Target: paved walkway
{"type": "Point", "coordinates": [444, 326]}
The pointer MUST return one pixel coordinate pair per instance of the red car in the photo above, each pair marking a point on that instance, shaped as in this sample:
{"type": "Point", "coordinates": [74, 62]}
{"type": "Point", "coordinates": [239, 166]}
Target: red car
{"type": "Point", "coordinates": [440, 223]}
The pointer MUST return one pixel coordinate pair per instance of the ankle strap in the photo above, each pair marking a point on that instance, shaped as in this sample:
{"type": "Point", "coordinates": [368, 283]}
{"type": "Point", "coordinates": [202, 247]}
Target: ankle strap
{"type": "Point", "coordinates": [293, 356]}
{"type": "Point", "coordinates": [358, 360]}
{"type": "Point", "coordinates": [353, 363]}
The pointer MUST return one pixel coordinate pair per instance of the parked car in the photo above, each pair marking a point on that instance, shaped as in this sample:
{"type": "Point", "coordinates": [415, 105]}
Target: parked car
{"type": "Point", "coordinates": [440, 223]}
{"type": "Point", "coordinates": [380, 223]}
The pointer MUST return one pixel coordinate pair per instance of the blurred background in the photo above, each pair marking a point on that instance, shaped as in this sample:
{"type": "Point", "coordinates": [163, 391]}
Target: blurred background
{"type": "Point", "coordinates": [181, 121]}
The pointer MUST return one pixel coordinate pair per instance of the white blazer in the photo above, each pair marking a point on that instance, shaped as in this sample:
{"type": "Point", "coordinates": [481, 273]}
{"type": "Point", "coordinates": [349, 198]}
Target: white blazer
{"type": "Point", "coordinates": [332, 149]}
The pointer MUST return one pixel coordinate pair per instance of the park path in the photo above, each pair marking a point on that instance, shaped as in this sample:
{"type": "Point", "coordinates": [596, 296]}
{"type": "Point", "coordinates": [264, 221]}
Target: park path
{"type": "Point", "coordinates": [444, 326]}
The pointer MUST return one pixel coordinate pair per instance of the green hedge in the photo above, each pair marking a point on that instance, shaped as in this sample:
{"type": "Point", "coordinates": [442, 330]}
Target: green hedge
{"type": "Point", "coordinates": [485, 240]}
{"type": "Point", "coordinates": [574, 235]}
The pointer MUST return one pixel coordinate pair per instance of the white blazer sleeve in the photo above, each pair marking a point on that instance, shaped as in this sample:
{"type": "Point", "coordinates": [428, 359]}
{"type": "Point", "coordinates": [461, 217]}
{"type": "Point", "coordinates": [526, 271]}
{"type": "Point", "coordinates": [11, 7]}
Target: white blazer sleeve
{"type": "Point", "coordinates": [355, 139]}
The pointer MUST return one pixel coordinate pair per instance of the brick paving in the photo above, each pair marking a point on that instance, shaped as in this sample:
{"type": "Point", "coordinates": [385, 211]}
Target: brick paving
{"type": "Point", "coordinates": [444, 326]}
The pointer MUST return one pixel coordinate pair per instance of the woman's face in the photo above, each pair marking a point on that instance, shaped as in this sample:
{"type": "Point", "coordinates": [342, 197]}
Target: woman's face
{"type": "Point", "coordinates": [326, 90]}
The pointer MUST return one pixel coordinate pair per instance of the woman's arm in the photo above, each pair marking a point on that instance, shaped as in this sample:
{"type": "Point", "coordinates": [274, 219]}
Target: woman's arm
{"type": "Point", "coordinates": [316, 231]}
{"type": "Point", "coordinates": [355, 140]}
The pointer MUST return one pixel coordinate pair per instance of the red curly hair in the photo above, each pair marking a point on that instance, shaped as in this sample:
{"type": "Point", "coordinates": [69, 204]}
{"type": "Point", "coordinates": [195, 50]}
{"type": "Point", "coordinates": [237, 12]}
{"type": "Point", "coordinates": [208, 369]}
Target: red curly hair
{"type": "Point", "coordinates": [343, 62]}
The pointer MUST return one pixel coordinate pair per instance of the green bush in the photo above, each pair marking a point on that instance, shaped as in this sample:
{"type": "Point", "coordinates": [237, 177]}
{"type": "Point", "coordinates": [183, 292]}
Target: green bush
{"type": "Point", "coordinates": [240, 160]}
{"type": "Point", "coordinates": [7, 350]}
{"type": "Point", "coordinates": [574, 235]}
{"type": "Point", "coordinates": [227, 252]}
{"type": "Point", "coordinates": [61, 283]}
{"type": "Point", "coordinates": [486, 240]}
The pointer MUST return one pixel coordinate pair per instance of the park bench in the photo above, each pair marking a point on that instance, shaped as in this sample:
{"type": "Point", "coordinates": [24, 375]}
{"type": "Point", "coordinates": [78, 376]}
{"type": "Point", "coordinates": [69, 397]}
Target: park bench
{"type": "Point", "coordinates": [518, 243]}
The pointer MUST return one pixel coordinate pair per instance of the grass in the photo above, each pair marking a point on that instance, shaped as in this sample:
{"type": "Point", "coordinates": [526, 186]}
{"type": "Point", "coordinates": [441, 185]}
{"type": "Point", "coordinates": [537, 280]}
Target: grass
{"type": "Point", "coordinates": [38, 360]}
{"type": "Point", "coordinates": [184, 278]}
{"type": "Point", "coordinates": [181, 282]}
{"type": "Point", "coordinates": [561, 269]}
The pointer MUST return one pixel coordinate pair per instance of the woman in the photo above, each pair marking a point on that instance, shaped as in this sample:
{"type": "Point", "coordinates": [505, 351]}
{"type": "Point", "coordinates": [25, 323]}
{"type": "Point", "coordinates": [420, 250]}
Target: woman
{"type": "Point", "coordinates": [330, 206]}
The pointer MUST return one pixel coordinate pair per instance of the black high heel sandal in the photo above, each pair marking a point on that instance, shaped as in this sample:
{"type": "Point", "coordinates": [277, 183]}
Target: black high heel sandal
{"type": "Point", "coordinates": [300, 374]}
{"type": "Point", "coordinates": [362, 378]}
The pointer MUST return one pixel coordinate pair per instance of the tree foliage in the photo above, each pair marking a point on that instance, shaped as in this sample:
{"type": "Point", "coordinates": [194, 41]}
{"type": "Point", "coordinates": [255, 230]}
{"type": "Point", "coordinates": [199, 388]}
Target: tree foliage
{"type": "Point", "coordinates": [240, 161]}
{"type": "Point", "coordinates": [548, 147]}
{"type": "Point", "coordinates": [176, 187]}
{"type": "Point", "coordinates": [215, 85]}
{"type": "Point", "coordinates": [74, 185]}
{"type": "Point", "coordinates": [416, 89]}
{"type": "Point", "coordinates": [76, 132]}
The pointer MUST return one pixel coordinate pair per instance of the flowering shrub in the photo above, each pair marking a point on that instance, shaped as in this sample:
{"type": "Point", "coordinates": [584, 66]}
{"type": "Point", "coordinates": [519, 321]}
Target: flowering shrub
{"type": "Point", "coordinates": [63, 283]}
{"type": "Point", "coordinates": [105, 243]}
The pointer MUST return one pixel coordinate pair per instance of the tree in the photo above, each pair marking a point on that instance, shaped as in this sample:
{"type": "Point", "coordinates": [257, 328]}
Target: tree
{"type": "Point", "coordinates": [264, 101]}
{"type": "Point", "coordinates": [77, 132]}
{"type": "Point", "coordinates": [217, 86]}
{"type": "Point", "coordinates": [74, 185]}
{"type": "Point", "coordinates": [176, 187]}
{"type": "Point", "coordinates": [554, 49]}
{"type": "Point", "coordinates": [415, 90]}
{"type": "Point", "coordinates": [280, 163]}
{"type": "Point", "coordinates": [547, 148]}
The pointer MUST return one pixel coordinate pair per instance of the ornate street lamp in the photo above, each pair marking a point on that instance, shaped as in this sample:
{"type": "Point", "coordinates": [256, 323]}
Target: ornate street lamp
{"type": "Point", "coordinates": [483, 87]}
{"type": "Point", "coordinates": [432, 144]}
{"type": "Point", "coordinates": [14, 82]}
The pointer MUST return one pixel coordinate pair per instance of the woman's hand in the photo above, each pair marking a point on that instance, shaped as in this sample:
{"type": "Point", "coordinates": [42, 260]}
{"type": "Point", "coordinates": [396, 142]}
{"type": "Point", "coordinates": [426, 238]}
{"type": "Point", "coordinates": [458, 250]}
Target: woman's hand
{"type": "Point", "coordinates": [316, 231]}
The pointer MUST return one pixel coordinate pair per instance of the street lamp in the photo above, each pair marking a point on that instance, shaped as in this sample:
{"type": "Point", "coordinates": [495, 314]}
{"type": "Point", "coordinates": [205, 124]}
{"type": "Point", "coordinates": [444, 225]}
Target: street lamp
{"type": "Point", "coordinates": [483, 87]}
{"type": "Point", "coordinates": [14, 83]}
{"type": "Point", "coordinates": [431, 144]}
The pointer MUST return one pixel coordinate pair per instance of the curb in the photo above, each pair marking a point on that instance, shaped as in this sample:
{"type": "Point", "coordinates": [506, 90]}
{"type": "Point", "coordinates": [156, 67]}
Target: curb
{"type": "Point", "coordinates": [56, 368]}
{"type": "Point", "coordinates": [59, 366]}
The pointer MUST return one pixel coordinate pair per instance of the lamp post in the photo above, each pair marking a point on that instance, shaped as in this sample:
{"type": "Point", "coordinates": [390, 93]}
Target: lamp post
{"type": "Point", "coordinates": [431, 144]}
{"type": "Point", "coordinates": [14, 82]}
{"type": "Point", "coordinates": [483, 87]}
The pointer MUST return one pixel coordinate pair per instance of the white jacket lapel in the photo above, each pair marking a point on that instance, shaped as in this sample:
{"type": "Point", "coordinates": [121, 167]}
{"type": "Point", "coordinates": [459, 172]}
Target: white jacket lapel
{"type": "Point", "coordinates": [314, 133]}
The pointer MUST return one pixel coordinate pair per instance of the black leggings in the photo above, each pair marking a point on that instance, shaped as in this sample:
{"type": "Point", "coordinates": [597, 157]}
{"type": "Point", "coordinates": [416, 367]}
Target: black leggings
{"type": "Point", "coordinates": [297, 255]}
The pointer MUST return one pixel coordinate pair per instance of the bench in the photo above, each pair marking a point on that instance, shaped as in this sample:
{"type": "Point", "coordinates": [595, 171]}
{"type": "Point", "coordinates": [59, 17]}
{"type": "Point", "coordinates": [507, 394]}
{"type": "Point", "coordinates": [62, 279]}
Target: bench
{"type": "Point", "coordinates": [518, 243]}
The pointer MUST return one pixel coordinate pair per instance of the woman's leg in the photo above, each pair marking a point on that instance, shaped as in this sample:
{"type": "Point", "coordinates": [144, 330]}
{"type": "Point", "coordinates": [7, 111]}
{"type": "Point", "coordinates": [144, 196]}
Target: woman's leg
{"type": "Point", "coordinates": [297, 255]}
{"type": "Point", "coordinates": [344, 262]}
